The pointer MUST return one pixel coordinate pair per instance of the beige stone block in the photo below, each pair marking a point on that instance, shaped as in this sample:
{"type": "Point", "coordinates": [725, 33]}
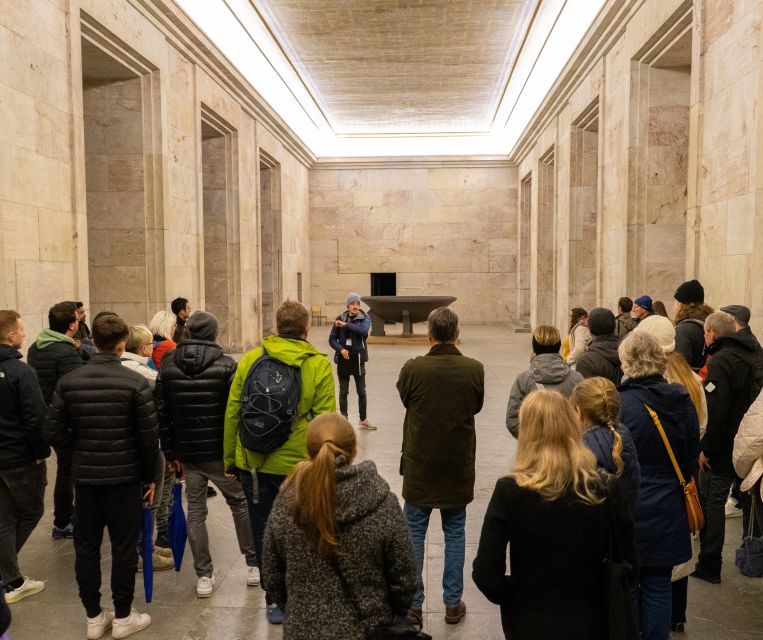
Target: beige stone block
{"type": "Point", "coordinates": [18, 112]}
{"type": "Point", "coordinates": [124, 248]}
{"type": "Point", "coordinates": [111, 285]}
{"type": "Point", "coordinates": [56, 236]}
{"type": "Point", "coordinates": [719, 16]}
{"type": "Point", "coordinates": [183, 182]}
{"type": "Point", "coordinates": [36, 180]}
{"type": "Point", "coordinates": [402, 178]}
{"type": "Point", "coordinates": [740, 225]}
{"type": "Point", "coordinates": [725, 173]}
{"type": "Point", "coordinates": [368, 198]}
{"type": "Point", "coordinates": [125, 173]}
{"type": "Point", "coordinates": [42, 22]}
{"type": "Point", "coordinates": [20, 231]}
{"type": "Point", "coordinates": [502, 264]}
{"type": "Point", "coordinates": [180, 72]}
{"type": "Point", "coordinates": [115, 210]}
{"type": "Point", "coordinates": [444, 178]}
{"type": "Point", "coordinates": [34, 71]}
{"type": "Point", "coordinates": [40, 284]}
{"type": "Point", "coordinates": [331, 199]}
{"type": "Point", "coordinates": [52, 132]}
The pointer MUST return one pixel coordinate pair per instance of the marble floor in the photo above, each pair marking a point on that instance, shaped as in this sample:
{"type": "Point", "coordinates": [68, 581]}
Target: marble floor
{"type": "Point", "coordinates": [730, 611]}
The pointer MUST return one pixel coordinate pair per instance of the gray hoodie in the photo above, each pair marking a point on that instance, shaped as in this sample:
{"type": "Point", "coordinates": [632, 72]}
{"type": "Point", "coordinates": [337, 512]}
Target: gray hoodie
{"type": "Point", "coordinates": [548, 370]}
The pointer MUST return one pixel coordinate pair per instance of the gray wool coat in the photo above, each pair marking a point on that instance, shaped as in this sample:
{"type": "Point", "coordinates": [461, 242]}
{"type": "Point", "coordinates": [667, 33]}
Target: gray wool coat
{"type": "Point", "coordinates": [376, 559]}
{"type": "Point", "coordinates": [547, 369]}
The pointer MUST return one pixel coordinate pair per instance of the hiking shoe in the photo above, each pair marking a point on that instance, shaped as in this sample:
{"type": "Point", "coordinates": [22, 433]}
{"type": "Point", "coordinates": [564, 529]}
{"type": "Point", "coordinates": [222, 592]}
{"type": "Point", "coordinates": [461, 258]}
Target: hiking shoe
{"type": "Point", "coordinates": [123, 627]}
{"type": "Point", "coordinates": [252, 576]}
{"type": "Point", "coordinates": [454, 614]}
{"type": "Point", "coordinates": [162, 563]}
{"type": "Point", "coordinates": [274, 614]}
{"type": "Point", "coordinates": [415, 617]}
{"type": "Point", "coordinates": [63, 534]}
{"type": "Point", "coordinates": [733, 510]}
{"type": "Point", "coordinates": [27, 588]}
{"type": "Point", "coordinates": [162, 551]}
{"type": "Point", "coordinates": [205, 586]}
{"type": "Point", "coordinates": [704, 574]}
{"type": "Point", "coordinates": [97, 626]}
{"type": "Point", "coordinates": [211, 493]}
{"type": "Point", "coordinates": [365, 424]}
{"type": "Point", "coordinates": [677, 627]}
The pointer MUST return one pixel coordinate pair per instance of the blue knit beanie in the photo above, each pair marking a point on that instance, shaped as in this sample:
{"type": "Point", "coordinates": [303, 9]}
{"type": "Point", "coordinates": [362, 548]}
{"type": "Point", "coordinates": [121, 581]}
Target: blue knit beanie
{"type": "Point", "coordinates": [645, 302]}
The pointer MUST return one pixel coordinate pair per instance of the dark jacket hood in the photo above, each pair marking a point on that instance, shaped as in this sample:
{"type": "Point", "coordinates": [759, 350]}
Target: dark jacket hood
{"type": "Point", "coordinates": [194, 356]}
{"type": "Point", "coordinates": [665, 398]}
{"type": "Point", "coordinates": [746, 341]}
{"type": "Point", "coordinates": [360, 490]}
{"type": "Point", "coordinates": [7, 352]}
{"type": "Point", "coordinates": [606, 346]}
{"type": "Point", "coordinates": [549, 368]}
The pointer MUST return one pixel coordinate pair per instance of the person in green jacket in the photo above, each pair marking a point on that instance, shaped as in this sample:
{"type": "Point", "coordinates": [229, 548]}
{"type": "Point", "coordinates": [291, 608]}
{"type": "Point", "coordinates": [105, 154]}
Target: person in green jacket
{"type": "Point", "coordinates": [317, 396]}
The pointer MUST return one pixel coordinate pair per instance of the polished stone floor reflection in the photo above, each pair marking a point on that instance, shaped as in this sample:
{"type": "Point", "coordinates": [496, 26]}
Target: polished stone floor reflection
{"type": "Point", "coordinates": [730, 611]}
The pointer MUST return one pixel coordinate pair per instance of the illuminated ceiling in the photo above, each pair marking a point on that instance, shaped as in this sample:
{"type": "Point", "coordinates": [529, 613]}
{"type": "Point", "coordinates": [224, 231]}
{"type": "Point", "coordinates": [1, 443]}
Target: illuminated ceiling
{"type": "Point", "coordinates": [356, 78]}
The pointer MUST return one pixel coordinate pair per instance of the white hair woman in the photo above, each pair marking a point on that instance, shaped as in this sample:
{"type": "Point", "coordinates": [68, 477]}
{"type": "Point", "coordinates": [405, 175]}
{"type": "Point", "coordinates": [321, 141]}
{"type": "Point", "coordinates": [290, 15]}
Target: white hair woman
{"type": "Point", "coordinates": [552, 513]}
{"type": "Point", "coordinates": [162, 326]}
{"type": "Point", "coordinates": [662, 530]}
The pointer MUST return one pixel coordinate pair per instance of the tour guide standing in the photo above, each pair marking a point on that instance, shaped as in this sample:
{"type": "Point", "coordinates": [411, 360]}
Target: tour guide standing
{"type": "Point", "coordinates": [348, 340]}
{"type": "Point", "coordinates": [442, 391]}
{"type": "Point", "coordinates": [105, 413]}
{"type": "Point", "coordinates": [22, 456]}
{"type": "Point", "coordinates": [291, 347]}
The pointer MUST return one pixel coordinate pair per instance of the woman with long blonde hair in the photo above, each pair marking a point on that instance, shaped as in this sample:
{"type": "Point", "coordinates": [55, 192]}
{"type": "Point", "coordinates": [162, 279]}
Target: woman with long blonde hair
{"type": "Point", "coordinates": [552, 512]}
{"type": "Point", "coordinates": [597, 405]}
{"type": "Point", "coordinates": [336, 544]}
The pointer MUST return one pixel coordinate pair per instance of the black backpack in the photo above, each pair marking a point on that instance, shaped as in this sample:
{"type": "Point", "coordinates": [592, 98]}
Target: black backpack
{"type": "Point", "coordinates": [269, 402]}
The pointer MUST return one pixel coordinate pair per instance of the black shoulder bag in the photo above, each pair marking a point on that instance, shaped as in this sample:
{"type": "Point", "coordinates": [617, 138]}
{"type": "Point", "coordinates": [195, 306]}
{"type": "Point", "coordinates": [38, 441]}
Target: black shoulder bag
{"type": "Point", "coordinates": [389, 631]}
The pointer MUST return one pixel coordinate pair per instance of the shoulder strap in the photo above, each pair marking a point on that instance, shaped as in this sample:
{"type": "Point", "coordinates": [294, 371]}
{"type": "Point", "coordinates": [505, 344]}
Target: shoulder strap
{"type": "Point", "coordinates": [334, 564]}
{"type": "Point", "coordinates": [664, 437]}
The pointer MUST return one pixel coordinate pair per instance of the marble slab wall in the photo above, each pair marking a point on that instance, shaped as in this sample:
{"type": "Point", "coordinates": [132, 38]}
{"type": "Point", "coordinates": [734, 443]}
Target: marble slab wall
{"type": "Point", "coordinates": [444, 230]}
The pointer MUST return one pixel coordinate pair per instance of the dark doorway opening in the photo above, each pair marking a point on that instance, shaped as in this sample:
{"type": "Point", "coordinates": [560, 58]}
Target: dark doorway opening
{"type": "Point", "coordinates": [383, 284]}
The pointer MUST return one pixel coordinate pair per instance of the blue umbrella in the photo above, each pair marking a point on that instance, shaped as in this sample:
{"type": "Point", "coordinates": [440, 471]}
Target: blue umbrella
{"type": "Point", "coordinates": [147, 552]}
{"type": "Point", "coordinates": [177, 532]}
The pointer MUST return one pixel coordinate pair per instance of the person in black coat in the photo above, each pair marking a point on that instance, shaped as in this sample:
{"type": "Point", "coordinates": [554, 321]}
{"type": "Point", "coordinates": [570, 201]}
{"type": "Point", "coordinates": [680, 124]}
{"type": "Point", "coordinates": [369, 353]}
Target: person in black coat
{"type": "Point", "coordinates": [597, 405]}
{"type": "Point", "coordinates": [53, 355]}
{"type": "Point", "coordinates": [662, 530]}
{"type": "Point", "coordinates": [734, 366]}
{"type": "Point", "coordinates": [191, 396]}
{"type": "Point", "coordinates": [689, 313]}
{"type": "Point", "coordinates": [600, 357]}
{"type": "Point", "coordinates": [105, 413]}
{"type": "Point", "coordinates": [23, 450]}
{"type": "Point", "coordinates": [552, 512]}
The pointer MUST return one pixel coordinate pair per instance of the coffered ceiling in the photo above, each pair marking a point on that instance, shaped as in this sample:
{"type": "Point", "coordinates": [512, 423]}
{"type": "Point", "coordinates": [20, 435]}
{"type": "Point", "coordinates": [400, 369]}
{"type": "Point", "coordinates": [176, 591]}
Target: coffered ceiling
{"type": "Point", "coordinates": [421, 66]}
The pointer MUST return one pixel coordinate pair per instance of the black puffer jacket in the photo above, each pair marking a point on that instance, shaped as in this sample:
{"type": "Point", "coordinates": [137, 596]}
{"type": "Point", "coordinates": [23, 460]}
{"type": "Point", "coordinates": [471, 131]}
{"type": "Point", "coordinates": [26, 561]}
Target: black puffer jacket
{"type": "Point", "coordinates": [601, 359]}
{"type": "Point", "coordinates": [22, 414]}
{"type": "Point", "coordinates": [690, 339]}
{"type": "Point", "coordinates": [51, 362]}
{"type": "Point", "coordinates": [106, 413]}
{"type": "Point", "coordinates": [191, 395]}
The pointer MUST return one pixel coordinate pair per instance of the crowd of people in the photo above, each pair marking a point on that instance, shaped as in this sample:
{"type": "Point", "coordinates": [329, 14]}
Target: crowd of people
{"type": "Point", "coordinates": [611, 423]}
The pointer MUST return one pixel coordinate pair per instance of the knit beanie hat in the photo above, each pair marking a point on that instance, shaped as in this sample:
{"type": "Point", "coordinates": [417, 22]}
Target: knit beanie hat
{"type": "Point", "coordinates": [601, 321]}
{"type": "Point", "coordinates": [691, 291]}
{"type": "Point", "coordinates": [539, 348]}
{"type": "Point", "coordinates": [201, 326]}
{"type": "Point", "coordinates": [645, 302]}
{"type": "Point", "coordinates": [353, 297]}
{"type": "Point", "coordinates": [662, 329]}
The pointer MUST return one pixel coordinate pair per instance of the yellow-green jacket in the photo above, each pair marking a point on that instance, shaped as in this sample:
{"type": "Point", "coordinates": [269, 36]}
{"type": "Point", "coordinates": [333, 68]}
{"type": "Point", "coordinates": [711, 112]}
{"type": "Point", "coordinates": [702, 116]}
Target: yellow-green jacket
{"type": "Point", "coordinates": [317, 396]}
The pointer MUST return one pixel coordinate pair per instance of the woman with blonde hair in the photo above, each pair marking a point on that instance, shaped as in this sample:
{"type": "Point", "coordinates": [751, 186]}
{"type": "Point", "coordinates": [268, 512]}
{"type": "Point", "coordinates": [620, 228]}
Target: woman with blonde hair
{"type": "Point", "coordinates": [547, 371]}
{"type": "Point", "coordinates": [552, 512]}
{"type": "Point", "coordinates": [337, 555]}
{"type": "Point", "coordinates": [662, 531]}
{"type": "Point", "coordinates": [162, 327]}
{"type": "Point", "coordinates": [597, 405]}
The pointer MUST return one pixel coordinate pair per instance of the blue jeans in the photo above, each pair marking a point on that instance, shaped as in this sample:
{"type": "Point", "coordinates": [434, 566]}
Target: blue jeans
{"type": "Point", "coordinates": [453, 525]}
{"type": "Point", "coordinates": [653, 602]}
{"type": "Point", "coordinates": [259, 501]}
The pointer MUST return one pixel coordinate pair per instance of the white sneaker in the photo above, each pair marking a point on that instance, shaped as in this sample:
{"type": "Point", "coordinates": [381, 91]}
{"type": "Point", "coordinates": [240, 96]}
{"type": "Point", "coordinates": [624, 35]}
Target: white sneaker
{"type": "Point", "coordinates": [97, 626]}
{"type": "Point", "coordinates": [28, 588]}
{"type": "Point", "coordinates": [733, 510]}
{"type": "Point", "coordinates": [123, 627]}
{"type": "Point", "coordinates": [205, 586]}
{"type": "Point", "coordinates": [252, 576]}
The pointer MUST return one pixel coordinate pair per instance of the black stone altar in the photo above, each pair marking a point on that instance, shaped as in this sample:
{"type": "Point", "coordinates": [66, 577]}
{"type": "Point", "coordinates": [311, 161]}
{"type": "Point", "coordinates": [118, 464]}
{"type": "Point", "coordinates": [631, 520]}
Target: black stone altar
{"type": "Point", "coordinates": [405, 309]}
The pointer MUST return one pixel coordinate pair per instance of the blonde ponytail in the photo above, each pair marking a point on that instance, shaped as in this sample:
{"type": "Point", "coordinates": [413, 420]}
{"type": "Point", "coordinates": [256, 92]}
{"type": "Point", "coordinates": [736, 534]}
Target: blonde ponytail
{"type": "Point", "coordinates": [598, 401]}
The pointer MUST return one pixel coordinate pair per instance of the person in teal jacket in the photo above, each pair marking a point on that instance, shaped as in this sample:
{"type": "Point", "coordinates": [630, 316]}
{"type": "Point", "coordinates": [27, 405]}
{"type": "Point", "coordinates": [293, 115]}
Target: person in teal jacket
{"type": "Point", "coordinates": [317, 396]}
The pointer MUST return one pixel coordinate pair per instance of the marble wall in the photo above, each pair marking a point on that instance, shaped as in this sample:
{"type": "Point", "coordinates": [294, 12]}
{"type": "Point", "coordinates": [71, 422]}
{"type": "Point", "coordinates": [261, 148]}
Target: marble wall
{"type": "Point", "coordinates": [445, 228]}
{"type": "Point", "coordinates": [123, 227]}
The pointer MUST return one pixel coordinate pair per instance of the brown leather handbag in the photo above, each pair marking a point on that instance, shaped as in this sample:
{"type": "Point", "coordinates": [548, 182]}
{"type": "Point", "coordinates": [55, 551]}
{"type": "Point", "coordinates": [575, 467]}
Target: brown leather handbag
{"type": "Point", "coordinates": [691, 495]}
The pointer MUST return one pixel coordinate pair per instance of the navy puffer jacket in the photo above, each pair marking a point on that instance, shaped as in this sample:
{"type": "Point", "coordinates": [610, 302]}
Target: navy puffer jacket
{"type": "Point", "coordinates": [600, 440]}
{"type": "Point", "coordinates": [662, 530]}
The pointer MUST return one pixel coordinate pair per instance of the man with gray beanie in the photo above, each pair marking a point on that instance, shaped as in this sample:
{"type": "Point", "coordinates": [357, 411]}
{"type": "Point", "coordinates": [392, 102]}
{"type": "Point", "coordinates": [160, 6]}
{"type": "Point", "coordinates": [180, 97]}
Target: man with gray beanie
{"type": "Point", "coordinates": [348, 340]}
{"type": "Point", "coordinates": [601, 357]}
{"type": "Point", "coordinates": [191, 398]}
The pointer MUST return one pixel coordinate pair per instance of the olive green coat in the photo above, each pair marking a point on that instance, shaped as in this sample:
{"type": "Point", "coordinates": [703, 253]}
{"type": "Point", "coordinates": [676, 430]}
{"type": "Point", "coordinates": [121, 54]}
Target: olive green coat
{"type": "Point", "coordinates": [442, 391]}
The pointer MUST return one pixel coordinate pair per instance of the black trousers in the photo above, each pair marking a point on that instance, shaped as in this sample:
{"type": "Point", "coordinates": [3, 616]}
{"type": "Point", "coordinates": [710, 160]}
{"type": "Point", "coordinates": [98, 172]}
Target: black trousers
{"type": "Point", "coordinates": [344, 390]}
{"type": "Point", "coordinates": [119, 509]}
{"type": "Point", "coordinates": [63, 491]}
